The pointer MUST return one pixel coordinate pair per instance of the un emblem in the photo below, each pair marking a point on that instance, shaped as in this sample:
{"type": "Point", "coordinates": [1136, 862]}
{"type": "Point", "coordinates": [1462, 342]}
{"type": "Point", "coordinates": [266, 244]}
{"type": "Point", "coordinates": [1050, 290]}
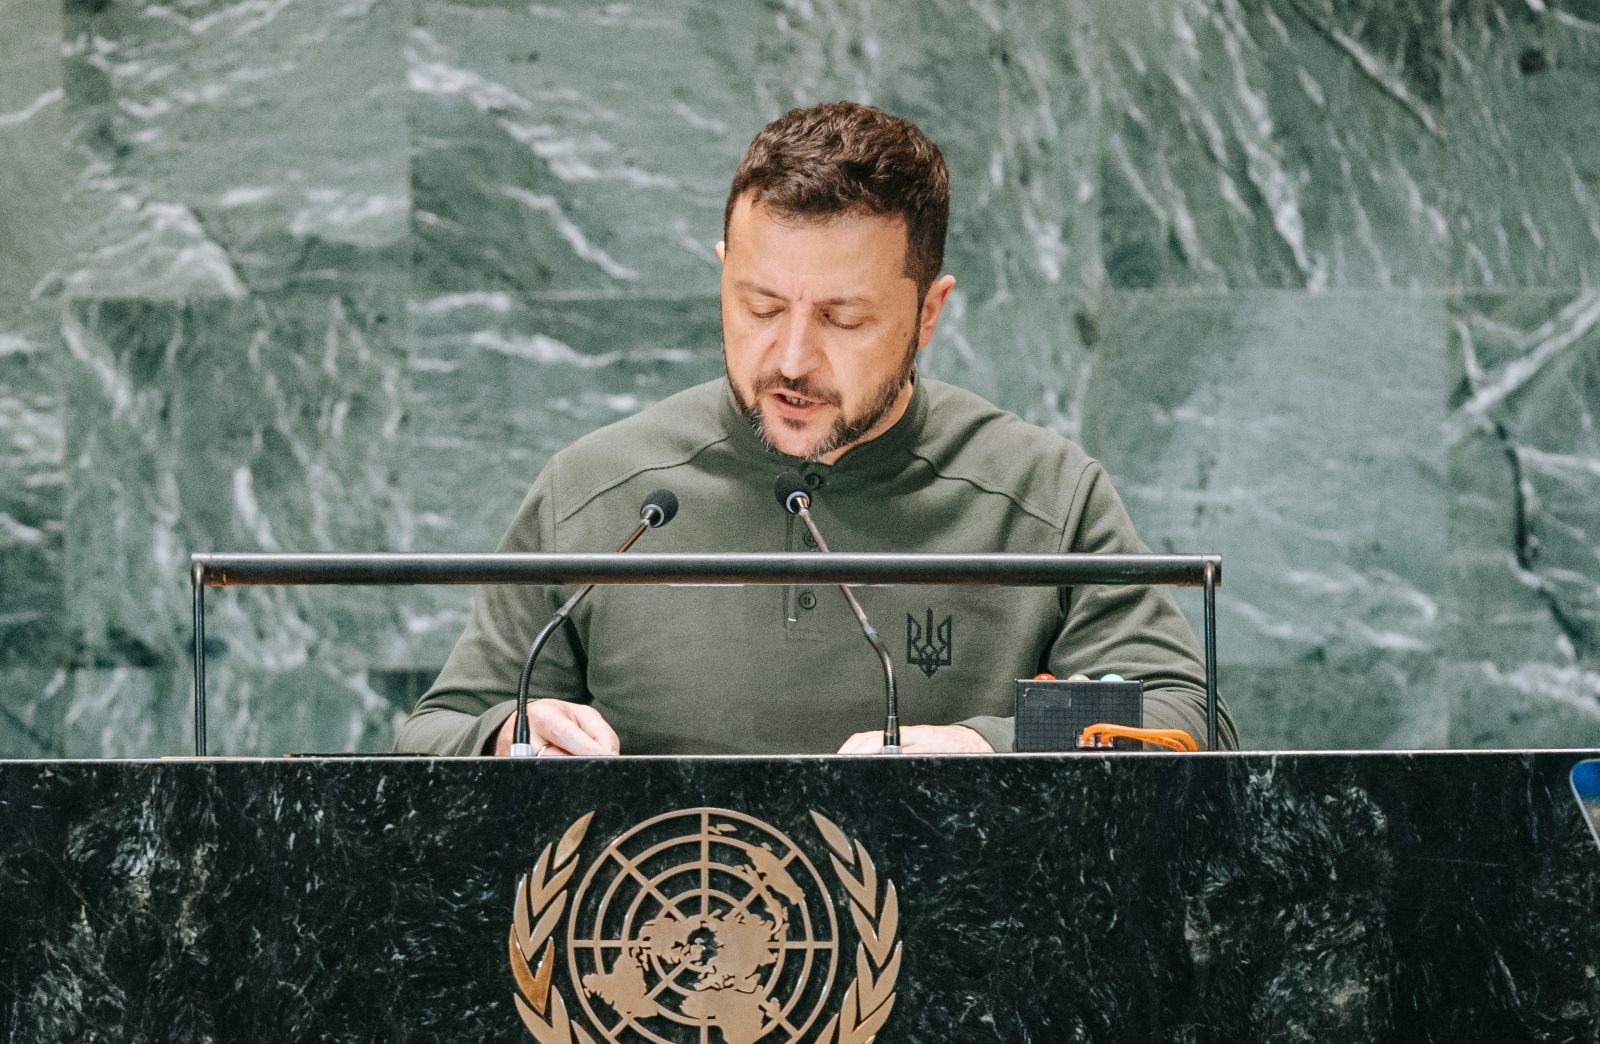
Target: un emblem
{"type": "Point", "coordinates": [697, 921]}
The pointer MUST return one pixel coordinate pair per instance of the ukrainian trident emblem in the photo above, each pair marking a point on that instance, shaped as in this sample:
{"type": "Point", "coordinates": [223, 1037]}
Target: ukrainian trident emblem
{"type": "Point", "coordinates": [928, 646]}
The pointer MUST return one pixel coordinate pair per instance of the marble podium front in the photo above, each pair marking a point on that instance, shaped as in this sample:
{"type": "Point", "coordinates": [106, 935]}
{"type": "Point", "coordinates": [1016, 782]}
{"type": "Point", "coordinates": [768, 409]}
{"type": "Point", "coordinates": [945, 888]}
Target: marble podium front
{"type": "Point", "coordinates": [1332, 897]}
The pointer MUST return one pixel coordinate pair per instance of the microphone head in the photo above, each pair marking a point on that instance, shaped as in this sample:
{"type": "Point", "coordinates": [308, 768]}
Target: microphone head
{"type": "Point", "coordinates": [790, 489]}
{"type": "Point", "coordinates": [658, 508]}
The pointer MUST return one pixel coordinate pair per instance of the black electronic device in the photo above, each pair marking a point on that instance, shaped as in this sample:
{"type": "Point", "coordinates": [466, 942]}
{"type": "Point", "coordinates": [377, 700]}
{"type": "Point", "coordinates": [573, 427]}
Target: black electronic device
{"type": "Point", "coordinates": [1051, 714]}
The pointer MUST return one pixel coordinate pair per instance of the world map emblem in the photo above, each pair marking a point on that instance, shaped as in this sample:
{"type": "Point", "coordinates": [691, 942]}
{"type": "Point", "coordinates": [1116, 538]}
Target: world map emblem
{"type": "Point", "coordinates": [702, 925]}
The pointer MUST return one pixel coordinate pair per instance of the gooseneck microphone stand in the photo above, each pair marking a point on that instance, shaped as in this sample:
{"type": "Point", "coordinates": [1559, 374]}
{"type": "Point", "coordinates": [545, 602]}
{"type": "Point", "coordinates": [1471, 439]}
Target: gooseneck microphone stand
{"type": "Point", "coordinates": [656, 511]}
{"type": "Point", "coordinates": [791, 492]}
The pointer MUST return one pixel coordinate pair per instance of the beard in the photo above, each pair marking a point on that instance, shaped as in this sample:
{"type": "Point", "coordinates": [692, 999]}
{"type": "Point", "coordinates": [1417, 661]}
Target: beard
{"type": "Point", "coordinates": [846, 430]}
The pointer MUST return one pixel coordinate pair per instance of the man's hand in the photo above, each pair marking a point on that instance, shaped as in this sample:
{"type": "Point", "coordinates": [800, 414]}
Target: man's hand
{"type": "Point", "coordinates": [922, 739]}
{"type": "Point", "coordinates": [561, 729]}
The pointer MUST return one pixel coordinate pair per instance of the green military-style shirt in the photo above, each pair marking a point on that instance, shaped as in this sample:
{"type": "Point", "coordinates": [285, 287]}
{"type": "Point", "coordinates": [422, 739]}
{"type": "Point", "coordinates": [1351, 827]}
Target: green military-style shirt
{"type": "Point", "coordinates": [777, 670]}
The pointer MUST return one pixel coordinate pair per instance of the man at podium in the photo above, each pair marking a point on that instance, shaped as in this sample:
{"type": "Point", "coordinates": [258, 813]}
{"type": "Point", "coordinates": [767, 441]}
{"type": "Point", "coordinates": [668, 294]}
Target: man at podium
{"type": "Point", "coordinates": [833, 240]}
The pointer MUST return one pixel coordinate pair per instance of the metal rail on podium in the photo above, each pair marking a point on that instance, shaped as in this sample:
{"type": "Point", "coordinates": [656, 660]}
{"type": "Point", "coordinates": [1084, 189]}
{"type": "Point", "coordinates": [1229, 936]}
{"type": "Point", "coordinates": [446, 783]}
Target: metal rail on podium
{"type": "Point", "coordinates": [730, 568]}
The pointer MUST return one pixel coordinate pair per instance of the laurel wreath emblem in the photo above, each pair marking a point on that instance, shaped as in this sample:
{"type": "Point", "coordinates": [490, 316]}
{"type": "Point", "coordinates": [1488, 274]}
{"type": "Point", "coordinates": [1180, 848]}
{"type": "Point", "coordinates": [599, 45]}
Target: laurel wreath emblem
{"type": "Point", "coordinates": [542, 899]}
{"type": "Point", "coordinates": [870, 998]}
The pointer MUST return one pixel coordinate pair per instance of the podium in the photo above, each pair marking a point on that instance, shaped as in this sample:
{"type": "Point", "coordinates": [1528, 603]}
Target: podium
{"type": "Point", "coordinates": [1209, 897]}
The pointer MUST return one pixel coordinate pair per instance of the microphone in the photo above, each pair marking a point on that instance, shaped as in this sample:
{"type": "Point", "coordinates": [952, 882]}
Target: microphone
{"type": "Point", "coordinates": [790, 489]}
{"type": "Point", "coordinates": [656, 511]}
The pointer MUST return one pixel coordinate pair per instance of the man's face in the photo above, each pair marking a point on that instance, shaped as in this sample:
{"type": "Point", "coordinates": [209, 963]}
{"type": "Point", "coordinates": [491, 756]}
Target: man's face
{"type": "Point", "coordinates": [820, 327]}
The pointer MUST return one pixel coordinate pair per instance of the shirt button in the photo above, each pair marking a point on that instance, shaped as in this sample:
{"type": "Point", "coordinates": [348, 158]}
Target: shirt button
{"type": "Point", "coordinates": [808, 600]}
{"type": "Point", "coordinates": [810, 540]}
{"type": "Point", "coordinates": [813, 480]}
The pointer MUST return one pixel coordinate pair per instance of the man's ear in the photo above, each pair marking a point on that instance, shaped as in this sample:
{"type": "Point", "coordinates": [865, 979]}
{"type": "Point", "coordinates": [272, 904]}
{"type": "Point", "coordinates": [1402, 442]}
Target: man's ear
{"type": "Point", "coordinates": [722, 251]}
{"type": "Point", "coordinates": [932, 304]}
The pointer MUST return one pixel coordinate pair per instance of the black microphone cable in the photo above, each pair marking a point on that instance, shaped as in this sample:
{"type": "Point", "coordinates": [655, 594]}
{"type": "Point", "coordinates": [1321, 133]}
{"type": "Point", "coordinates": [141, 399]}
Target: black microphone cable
{"type": "Point", "coordinates": [791, 492]}
{"type": "Point", "coordinates": [656, 511]}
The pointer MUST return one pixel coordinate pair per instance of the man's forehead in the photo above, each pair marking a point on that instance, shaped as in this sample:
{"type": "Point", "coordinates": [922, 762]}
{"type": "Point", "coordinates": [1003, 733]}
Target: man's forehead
{"type": "Point", "coordinates": [751, 286]}
{"type": "Point", "coordinates": [833, 253]}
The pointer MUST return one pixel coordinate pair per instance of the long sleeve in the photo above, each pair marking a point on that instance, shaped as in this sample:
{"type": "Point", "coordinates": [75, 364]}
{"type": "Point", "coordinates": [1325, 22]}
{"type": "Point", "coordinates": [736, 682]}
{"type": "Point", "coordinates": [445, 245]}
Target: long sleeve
{"type": "Point", "coordinates": [1136, 632]}
{"type": "Point", "coordinates": [476, 691]}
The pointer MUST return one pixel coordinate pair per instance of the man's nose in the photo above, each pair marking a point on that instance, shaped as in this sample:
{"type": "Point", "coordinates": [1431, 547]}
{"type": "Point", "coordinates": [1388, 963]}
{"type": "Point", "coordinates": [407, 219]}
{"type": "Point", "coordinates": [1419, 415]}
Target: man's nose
{"type": "Point", "coordinates": [797, 349]}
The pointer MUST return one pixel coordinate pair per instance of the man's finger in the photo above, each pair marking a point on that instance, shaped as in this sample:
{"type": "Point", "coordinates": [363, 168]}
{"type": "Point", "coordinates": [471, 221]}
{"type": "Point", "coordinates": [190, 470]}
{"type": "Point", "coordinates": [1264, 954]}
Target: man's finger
{"type": "Point", "coordinates": [943, 739]}
{"type": "Point", "coordinates": [863, 743]}
{"type": "Point", "coordinates": [554, 722]}
{"type": "Point", "coordinates": [557, 722]}
{"type": "Point", "coordinates": [594, 723]}
{"type": "Point", "coordinates": [565, 733]}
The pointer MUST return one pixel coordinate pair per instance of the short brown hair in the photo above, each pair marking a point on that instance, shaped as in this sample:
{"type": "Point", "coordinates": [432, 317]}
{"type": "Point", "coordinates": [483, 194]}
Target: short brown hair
{"type": "Point", "coordinates": [844, 158]}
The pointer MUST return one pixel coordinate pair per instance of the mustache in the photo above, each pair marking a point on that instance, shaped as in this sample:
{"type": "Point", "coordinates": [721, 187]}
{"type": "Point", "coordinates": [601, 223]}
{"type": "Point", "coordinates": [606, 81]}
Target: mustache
{"type": "Point", "coordinates": [802, 387]}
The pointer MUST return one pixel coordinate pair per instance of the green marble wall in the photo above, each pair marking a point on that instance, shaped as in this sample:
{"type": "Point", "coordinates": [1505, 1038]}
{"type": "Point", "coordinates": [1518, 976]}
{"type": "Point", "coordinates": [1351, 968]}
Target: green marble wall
{"type": "Point", "coordinates": [1319, 281]}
